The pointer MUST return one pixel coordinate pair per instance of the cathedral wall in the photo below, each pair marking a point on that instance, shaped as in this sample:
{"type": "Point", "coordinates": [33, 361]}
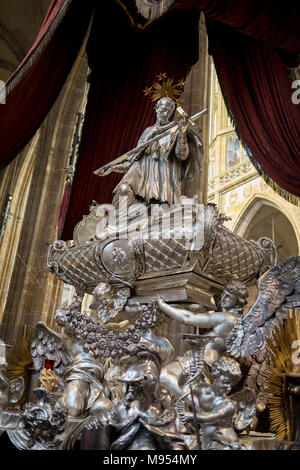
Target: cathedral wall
{"type": "Point", "coordinates": [36, 181]}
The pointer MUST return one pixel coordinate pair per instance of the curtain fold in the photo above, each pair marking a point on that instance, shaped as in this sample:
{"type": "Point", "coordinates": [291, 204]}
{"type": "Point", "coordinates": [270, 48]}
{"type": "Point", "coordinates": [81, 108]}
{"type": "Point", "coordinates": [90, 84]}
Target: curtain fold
{"type": "Point", "coordinates": [254, 82]}
{"type": "Point", "coordinates": [54, 15]}
{"type": "Point", "coordinates": [36, 84]}
{"type": "Point", "coordinates": [117, 111]}
{"type": "Point", "coordinates": [250, 42]}
{"type": "Point", "coordinates": [258, 95]}
{"type": "Point", "coordinates": [274, 22]}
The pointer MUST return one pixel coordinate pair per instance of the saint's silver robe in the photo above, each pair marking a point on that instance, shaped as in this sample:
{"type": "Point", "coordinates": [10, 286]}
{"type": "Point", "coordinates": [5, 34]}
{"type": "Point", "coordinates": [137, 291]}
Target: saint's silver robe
{"type": "Point", "coordinates": [156, 173]}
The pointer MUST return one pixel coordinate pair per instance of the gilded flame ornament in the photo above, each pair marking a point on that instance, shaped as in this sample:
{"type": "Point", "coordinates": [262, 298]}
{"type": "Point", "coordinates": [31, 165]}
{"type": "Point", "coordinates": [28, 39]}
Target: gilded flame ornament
{"type": "Point", "coordinates": [48, 380]}
{"type": "Point", "coordinates": [282, 353]}
{"type": "Point", "coordinates": [165, 87]}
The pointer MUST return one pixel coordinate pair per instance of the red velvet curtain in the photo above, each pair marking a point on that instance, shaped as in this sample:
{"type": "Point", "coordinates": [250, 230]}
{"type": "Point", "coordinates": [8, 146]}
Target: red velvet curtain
{"type": "Point", "coordinates": [63, 209]}
{"type": "Point", "coordinates": [258, 93]}
{"type": "Point", "coordinates": [275, 22]}
{"type": "Point", "coordinates": [55, 10]}
{"type": "Point", "coordinates": [36, 84]}
{"type": "Point", "coordinates": [254, 80]}
{"type": "Point", "coordinates": [124, 62]}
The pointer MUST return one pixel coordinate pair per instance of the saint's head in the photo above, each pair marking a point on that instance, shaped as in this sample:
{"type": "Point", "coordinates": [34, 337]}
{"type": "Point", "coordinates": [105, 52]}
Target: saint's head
{"type": "Point", "coordinates": [165, 108]}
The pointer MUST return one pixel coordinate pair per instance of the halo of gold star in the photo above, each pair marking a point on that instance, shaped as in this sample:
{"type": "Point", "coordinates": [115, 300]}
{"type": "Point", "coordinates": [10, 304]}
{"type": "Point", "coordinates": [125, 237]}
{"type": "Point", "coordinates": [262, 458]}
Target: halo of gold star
{"type": "Point", "coordinates": [165, 87]}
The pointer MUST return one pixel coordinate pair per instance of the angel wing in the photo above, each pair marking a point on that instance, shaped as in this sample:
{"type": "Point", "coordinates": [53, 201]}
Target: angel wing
{"type": "Point", "coordinates": [248, 336]}
{"type": "Point", "coordinates": [121, 299]}
{"type": "Point", "coordinates": [246, 408]}
{"type": "Point", "coordinates": [47, 345]}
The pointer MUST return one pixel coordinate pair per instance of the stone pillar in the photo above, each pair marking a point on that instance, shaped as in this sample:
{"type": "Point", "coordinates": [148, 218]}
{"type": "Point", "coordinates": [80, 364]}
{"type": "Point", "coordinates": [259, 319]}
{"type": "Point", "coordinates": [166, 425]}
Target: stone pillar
{"type": "Point", "coordinates": [33, 294]}
{"type": "Point", "coordinates": [196, 98]}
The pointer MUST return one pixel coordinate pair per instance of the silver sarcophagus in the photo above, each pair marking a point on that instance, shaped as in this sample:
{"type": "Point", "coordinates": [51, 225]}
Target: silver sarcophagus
{"type": "Point", "coordinates": [191, 262]}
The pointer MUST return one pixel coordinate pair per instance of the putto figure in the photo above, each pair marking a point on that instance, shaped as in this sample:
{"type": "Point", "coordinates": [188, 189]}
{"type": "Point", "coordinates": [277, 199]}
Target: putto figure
{"type": "Point", "coordinates": [233, 301]}
{"type": "Point", "coordinates": [215, 409]}
{"type": "Point", "coordinates": [83, 376]}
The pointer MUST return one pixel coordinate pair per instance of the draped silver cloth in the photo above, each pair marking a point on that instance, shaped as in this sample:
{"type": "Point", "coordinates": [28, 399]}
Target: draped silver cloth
{"type": "Point", "coordinates": [157, 172]}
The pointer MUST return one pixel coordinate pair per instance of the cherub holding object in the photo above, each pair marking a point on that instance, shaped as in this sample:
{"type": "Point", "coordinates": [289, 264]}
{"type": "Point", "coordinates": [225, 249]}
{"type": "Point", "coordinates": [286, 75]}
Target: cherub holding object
{"type": "Point", "coordinates": [219, 324]}
{"type": "Point", "coordinates": [215, 410]}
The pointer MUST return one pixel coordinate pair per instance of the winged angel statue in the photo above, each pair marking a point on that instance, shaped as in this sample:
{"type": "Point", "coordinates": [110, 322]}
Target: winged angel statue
{"type": "Point", "coordinates": [248, 336]}
{"type": "Point", "coordinates": [278, 290]}
{"type": "Point", "coordinates": [35, 424]}
{"type": "Point", "coordinates": [241, 337]}
{"type": "Point", "coordinates": [79, 373]}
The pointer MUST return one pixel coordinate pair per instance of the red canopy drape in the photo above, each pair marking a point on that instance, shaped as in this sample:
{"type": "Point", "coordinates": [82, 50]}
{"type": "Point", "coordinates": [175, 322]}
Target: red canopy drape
{"type": "Point", "coordinates": [248, 41]}
{"type": "Point", "coordinates": [117, 110]}
{"type": "Point", "coordinates": [53, 16]}
{"type": "Point", "coordinates": [34, 87]}
{"type": "Point", "coordinates": [258, 94]}
{"type": "Point", "coordinates": [275, 22]}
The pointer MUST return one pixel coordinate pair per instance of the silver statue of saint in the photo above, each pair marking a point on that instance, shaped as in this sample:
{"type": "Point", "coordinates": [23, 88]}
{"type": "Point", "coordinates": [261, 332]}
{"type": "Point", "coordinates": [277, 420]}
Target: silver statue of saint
{"type": "Point", "coordinates": [156, 168]}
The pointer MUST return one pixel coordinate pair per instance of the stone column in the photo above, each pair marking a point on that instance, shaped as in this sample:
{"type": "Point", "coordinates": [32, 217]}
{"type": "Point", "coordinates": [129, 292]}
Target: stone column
{"type": "Point", "coordinates": [196, 98]}
{"type": "Point", "coordinates": [33, 294]}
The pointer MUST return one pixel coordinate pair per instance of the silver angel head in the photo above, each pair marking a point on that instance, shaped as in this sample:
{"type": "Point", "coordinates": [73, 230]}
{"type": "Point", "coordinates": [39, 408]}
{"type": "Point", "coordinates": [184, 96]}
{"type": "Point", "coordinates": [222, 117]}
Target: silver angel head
{"type": "Point", "coordinates": [226, 373]}
{"type": "Point", "coordinates": [235, 295]}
